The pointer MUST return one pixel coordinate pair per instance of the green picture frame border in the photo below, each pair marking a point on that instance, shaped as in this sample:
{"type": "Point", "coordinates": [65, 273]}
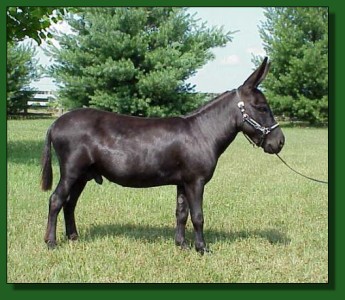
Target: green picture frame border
{"type": "Point", "coordinates": [332, 290]}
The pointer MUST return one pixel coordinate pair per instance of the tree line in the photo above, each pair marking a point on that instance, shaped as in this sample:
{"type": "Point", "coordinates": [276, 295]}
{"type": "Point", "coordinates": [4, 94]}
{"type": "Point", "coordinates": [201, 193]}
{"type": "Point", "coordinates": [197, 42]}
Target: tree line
{"type": "Point", "coordinates": [137, 60]}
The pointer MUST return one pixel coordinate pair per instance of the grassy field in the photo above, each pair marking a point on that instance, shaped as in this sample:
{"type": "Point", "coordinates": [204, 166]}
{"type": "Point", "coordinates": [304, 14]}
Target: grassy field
{"type": "Point", "coordinates": [262, 222]}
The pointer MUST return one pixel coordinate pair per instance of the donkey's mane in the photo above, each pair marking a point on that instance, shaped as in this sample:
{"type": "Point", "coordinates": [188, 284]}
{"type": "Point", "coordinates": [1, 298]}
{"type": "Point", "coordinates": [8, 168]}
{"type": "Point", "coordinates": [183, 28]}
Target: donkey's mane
{"type": "Point", "coordinates": [210, 103]}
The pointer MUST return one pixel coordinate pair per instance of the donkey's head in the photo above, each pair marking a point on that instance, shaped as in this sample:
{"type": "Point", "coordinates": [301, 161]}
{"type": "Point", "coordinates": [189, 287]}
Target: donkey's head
{"type": "Point", "coordinates": [257, 119]}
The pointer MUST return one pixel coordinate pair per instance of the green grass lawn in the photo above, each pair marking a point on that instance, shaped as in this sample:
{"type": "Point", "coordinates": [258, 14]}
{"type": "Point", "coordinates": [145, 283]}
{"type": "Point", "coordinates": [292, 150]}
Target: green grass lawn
{"type": "Point", "coordinates": [262, 222]}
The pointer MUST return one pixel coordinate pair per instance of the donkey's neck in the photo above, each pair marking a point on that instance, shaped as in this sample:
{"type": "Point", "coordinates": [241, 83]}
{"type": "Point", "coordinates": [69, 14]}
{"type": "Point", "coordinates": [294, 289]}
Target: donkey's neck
{"type": "Point", "coordinates": [218, 121]}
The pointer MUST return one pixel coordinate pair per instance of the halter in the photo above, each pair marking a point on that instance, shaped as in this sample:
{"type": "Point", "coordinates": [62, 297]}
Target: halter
{"type": "Point", "coordinates": [246, 118]}
{"type": "Point", "coordinates": [265, 131]}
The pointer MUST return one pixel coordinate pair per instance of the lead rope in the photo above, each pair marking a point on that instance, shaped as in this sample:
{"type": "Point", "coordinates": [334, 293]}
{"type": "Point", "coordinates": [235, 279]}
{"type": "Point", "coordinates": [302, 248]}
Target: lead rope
{"type": "Point", "coordinates": [286, 164]}
{"type": "Point", "coordinates": [305, 176]}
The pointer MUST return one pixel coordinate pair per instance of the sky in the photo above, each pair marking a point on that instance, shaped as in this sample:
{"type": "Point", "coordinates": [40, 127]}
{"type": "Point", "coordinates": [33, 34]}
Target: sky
{"type": "Point", "coordinates": [232, 64]}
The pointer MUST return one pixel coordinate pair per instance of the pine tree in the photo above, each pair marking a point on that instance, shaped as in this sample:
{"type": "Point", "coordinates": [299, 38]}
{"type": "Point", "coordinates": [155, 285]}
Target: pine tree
{"type": "Point", "coordinates": [133, 60]}
{"type": "Point", "coordinates": [296, 40]}
{"type": "Point", "coordinates": [21, 70]}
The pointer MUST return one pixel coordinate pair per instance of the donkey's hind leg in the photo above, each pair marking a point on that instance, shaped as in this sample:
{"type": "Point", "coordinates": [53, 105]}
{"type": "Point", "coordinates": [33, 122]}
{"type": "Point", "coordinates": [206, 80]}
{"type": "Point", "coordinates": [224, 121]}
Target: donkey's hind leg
{"type": "Point", "coordinates": [56, 201]}
{"type": "Point", "coordinates": [69, 207]}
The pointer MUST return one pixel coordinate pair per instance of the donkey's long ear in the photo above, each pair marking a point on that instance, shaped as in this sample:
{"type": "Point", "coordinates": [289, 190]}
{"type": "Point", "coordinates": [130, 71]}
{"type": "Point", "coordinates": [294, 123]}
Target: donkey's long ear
{"type": "Point", "coordinates": [258, 75]}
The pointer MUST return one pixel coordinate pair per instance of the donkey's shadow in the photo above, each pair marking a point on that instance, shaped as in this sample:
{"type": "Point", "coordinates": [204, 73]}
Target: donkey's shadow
{"type": "Point", "coordinates": [151, 234]}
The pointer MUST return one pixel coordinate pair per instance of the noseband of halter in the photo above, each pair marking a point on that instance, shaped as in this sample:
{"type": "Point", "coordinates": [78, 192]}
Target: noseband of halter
{"type": "Point", "coordinates": [246, 118]}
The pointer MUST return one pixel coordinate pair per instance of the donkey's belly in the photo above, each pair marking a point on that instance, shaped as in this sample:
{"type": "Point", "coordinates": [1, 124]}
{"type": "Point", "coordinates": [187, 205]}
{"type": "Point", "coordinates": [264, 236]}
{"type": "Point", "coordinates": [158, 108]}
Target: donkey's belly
{"type": "Point", "coordinates": [142, 180]}
{"type": "Point", "coordinates": [131, 173]}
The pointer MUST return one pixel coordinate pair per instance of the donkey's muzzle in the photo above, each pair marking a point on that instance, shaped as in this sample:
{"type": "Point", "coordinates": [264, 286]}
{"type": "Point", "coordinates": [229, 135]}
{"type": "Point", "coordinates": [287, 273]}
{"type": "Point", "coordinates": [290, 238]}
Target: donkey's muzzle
{"type": "Point", "coordinates": [274, 144]}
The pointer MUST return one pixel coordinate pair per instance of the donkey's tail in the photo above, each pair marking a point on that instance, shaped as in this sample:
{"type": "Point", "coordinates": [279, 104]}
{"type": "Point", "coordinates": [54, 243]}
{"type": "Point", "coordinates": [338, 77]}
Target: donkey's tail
{"type": "Point", "coordinates": [47, 171]}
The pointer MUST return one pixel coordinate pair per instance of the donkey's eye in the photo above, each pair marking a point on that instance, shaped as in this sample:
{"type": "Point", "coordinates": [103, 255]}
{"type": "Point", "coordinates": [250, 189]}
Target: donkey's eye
{"type": "Point", "coordinates": [261, 108]}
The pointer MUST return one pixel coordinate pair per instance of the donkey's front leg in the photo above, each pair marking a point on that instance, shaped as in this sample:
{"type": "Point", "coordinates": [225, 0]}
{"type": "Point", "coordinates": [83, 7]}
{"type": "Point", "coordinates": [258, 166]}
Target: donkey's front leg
{"type": "Point", "coordinates": [182, 211]}
{"type": "Point", "coordinates": [194, 192]}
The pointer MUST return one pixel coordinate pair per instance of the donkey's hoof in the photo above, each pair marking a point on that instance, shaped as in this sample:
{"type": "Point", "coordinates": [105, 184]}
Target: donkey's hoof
{"type": "Point", "coordinates": [204, 250]}
{"type": "Point", "coordinates": [73, 237]}
{"type": "Point", "coordinates": [184, 246]}
{"type": "Point", "coordinates": [51, 245]}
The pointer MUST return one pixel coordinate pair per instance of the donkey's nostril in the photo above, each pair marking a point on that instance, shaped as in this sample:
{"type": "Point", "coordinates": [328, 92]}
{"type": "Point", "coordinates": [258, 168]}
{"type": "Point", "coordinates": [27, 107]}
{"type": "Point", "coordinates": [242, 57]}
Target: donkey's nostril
{"type": "Point", "coordinates": [281, 144]}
